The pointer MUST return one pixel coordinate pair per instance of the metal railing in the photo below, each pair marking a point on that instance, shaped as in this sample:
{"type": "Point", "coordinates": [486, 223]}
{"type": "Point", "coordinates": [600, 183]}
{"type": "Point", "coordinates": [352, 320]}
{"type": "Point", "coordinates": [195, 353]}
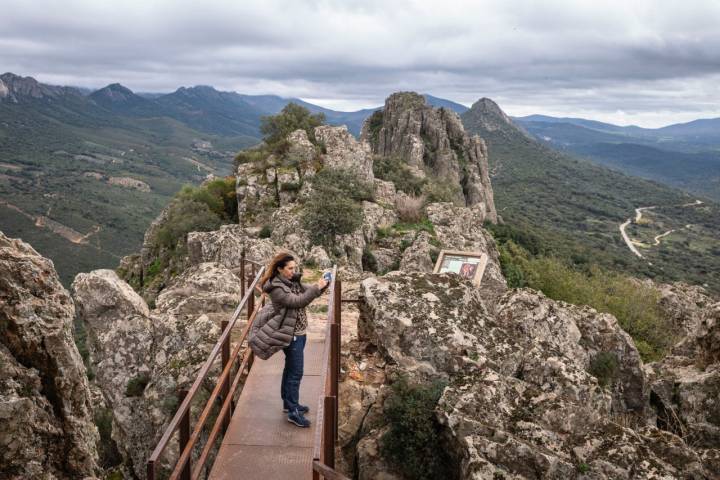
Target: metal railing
{"type": "Point", "coordinates": [223, 390]}
{"type": "Point", "coordinates": [326, 429]}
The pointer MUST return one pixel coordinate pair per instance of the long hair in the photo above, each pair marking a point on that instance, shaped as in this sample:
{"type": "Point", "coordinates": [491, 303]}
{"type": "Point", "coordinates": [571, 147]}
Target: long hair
{"type": "Point", "coordinates": [278, 262]}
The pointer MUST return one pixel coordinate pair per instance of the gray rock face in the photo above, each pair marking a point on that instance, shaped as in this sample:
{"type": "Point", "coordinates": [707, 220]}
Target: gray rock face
{"type": "Point", "coordinates": [524, 395]}
{"type": "Point", "coordinates": [47, 428]}
{"type": "Point", "coordinates": [433, 140]}
{"type": "Point", "coordinates": [206, 287]}
{"type": "Point", "coordinates": [142, 357]}
{"type": "Point", "coordinates": [345, 152]}
{"type": "Point", "coordinates": [225, 246]}
{"type": "Point", "coordinates": [685, 385]}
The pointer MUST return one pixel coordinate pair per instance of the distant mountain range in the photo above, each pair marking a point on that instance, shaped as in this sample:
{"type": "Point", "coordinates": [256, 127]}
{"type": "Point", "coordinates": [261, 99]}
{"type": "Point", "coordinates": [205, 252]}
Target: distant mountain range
{"type": "Point", "coordinates": [82, 173]}
{"type": "Point", "coordinates": [684, 155]}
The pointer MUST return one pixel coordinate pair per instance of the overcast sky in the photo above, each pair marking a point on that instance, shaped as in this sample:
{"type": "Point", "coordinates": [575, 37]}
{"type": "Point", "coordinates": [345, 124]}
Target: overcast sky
{"type": "Point", "coordinates": [650, 62]}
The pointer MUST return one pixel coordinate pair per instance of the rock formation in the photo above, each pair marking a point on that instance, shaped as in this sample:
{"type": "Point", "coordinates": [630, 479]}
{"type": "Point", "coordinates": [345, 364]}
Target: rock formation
{"type": "Point", "coordinates": [539, 389]}
{"type": "Point", "coordinates": [433, 142]}
{"type": "Point", "coordinates": [685, 385]}
{"type": "Point", "coordinates": [143, 357]}
{"type": "Point", "coordinates": [47, 428]}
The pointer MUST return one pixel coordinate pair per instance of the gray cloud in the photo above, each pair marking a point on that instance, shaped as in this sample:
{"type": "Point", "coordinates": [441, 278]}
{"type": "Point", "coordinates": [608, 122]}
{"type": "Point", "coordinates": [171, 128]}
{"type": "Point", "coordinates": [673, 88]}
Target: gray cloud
{"type": "Point", "coordinates": [647, 62]}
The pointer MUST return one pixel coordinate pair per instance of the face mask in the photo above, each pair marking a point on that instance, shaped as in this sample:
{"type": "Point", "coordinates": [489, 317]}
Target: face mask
{"type": "Point", "coordinates": [296, 277]}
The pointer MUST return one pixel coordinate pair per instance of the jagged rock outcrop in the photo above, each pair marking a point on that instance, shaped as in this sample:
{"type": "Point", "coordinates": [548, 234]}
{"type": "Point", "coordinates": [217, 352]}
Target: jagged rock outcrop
{"type": "Point", "coordinates": [433, 141]}
{"type": "Point", "coordinates": [225, 246]}
{"type": "Point", "coordinates": [531, 390]}
{"type": "Point", "coordinates": [143, 357]}
{"type": "Point", "coordinates": [344, 152]}
{"type": "Point", "coordinates": [46, 421]}
{"type": "Point", "coordinates": [685, 385]}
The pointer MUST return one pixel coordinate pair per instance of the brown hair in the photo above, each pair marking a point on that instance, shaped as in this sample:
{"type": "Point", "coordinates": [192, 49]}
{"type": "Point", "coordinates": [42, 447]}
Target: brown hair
{"type": "Point", "coordinates": [278, 262]}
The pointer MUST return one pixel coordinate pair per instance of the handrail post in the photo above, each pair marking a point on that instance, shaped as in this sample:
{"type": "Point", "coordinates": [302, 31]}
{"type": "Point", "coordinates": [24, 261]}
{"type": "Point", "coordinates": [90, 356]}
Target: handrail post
{"type": "Point", "coordinates": [328, 433]}
{"type": "Point", "coordinates": [251, 298]}
{"type": "Point", "coordinates": [242, 274]}
{"type": "Point", "coordinates": [226, 384]}
{"type": "Point", "coordinates": [337, 319]}
{"type": "Point", "coordinates": [184, 428]}
{"type": "Point", "coordinates": [150, 470]}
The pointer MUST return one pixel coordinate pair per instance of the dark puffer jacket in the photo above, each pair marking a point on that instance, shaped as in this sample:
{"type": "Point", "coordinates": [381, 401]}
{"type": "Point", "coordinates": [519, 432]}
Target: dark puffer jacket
{"type": "Point", "coordinates": [274, 326]}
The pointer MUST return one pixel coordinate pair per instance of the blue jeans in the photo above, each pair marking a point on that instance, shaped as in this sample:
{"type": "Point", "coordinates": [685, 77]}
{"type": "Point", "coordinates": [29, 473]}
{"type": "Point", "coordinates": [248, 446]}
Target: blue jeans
{"type": "Point", "coordinates": [293, 372]}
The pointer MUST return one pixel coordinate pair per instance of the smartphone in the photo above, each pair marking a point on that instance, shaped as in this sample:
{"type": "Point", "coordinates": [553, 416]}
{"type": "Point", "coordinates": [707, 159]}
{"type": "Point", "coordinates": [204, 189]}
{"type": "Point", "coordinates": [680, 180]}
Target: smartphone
{"type": "Point", "coordinates": [327, 276]}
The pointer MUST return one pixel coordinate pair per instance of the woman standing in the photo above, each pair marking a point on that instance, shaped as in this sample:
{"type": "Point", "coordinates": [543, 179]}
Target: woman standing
{"type": "Point", "coordinates": [286, 329]}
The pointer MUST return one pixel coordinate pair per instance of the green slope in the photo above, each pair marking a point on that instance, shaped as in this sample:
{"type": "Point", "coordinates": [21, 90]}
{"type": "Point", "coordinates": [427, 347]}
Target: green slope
{"type": "Point", "coordinates": [576, 207]}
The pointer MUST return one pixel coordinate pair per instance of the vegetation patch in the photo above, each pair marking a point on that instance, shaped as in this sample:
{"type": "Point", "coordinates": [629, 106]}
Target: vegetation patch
{"type": "Point", "coordinates": [413, 442]}
{"type": "Point", "coordinates": [605, 367]}
{"type": "Point", "coordinates": [136, 385]}
{"type": "Point", "coordinates": [334, 206]}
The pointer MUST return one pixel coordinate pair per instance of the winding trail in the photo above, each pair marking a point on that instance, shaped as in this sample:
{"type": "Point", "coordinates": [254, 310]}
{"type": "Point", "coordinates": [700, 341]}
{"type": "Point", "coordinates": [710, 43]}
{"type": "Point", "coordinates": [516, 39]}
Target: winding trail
{"type": "Point", "coordinates": [638, 216]}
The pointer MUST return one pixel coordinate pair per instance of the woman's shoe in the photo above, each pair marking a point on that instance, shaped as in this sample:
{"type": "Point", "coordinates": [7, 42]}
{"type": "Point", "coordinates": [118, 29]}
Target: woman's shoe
{"type": "Point", "coordinates": [301, 408]}
{"type": "Point", "coordinates": [297, 418]}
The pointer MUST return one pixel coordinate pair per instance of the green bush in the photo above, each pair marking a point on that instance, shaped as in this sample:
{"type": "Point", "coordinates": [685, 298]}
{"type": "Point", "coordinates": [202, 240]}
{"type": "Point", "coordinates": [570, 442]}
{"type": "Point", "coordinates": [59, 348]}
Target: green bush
{"type": "Point", "coordinates": [325, 216]}
{"type": "Point", "coordinates": [265, 231]}
{"type": "Point", "coordinates": [605, 367]}
{"type": "Point", "coordinates": [136, 385]}
{"type": "Point", "coordinates": [276, 128]}
{"type": "Point", "coordinates": [369, 262]}
{"type": "Point", "coordinates": [184, 216]}
{"type": "Point", "coordinates": [443, 191]}
{"type": "Point", "coordinates": [394, 169]}
{"type": "Point", "coordinates": [413, 442]}
{"type": "Point", "coordinates": [375, 122]}
{"type": "Point", "coordinates": [337, 181]}
{"type": "Point", "coordinates": [219, 195]}
{"type": "Point", "coordinates": [334, 206]}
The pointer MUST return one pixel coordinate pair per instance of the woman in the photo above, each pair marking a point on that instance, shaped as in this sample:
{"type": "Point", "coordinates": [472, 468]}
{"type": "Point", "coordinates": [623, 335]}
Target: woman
{"type": "Point", "coordinates": [282, 325]}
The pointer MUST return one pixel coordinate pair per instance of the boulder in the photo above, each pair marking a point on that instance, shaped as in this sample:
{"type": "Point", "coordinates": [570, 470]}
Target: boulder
{"type": "Point", "coordinates": [225, 246]}
{"type": "Point", "coordinates": [343, 151]}
{"type": "Point", "coordinates": [45, 408]}
{"type": "Point", "coordinates": [142, 359]}
{"type": "Point", "coordinates": [203, 288]}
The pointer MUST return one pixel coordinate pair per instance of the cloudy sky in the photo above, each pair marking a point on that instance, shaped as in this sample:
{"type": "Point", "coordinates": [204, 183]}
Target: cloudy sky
{"type": "Point", "coordinates": [647, 62]}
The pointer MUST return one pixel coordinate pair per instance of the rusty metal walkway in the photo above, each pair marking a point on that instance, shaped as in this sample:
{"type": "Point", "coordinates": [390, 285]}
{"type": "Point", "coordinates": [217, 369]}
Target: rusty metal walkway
{"type": "Point", "coordinates": [255, 439]}
{"type": "Point", "coordinates": [260, 443]}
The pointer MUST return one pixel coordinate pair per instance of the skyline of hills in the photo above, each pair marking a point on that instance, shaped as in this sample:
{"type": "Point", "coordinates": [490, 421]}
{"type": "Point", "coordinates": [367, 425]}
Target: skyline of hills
{"type": "Point", "coordinates": [93, 168]}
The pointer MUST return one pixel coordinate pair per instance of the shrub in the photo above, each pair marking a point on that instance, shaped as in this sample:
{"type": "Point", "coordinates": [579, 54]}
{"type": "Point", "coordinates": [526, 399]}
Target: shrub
{"type": "Point", "coordinates": [337, 181]}
{"type": "Point", "coordinates": [605, 367]}
{"type": "Point", "coordinates": [136, 385]}
{"type": "Point", "coordinates": [375, 122]}
{"type": "Point", "coordinates": [369, 262]}
{"type": "Point", "coordinates": [410, 209]}
{"type": "Point", "coordinates": [333, 207]}
{"type": "Point", "coordinates": [265, 231]}
{"type": "Point", "coordinates": [442, 191]}
{"type": "Point", "coordinates": [394, 169]}
{"type": "Point", "coordinates": [219, 195]}
{"type": "Point", "coordinates": [276, 128]}
{"type": "Point", "coordinates": [325, 216]}
{"type": "Point", "coordinates": [184, 216]}
{"type": "Point", "coordinates": [107, 449]}
{"type": "Point", "coordinates": [413, 442]}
